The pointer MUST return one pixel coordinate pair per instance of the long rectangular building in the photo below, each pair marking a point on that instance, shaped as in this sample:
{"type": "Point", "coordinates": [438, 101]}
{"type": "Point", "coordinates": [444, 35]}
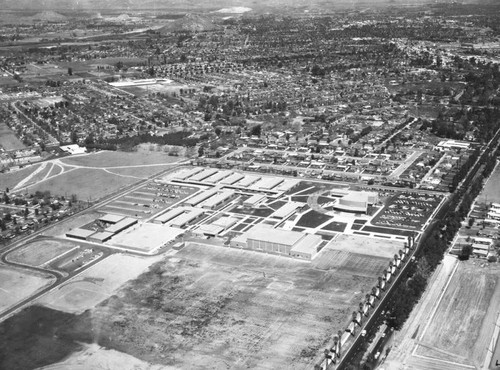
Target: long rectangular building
{"type": "Point", "coordinates": [214, 179]}
{"type": "Point", "coordinates": [187, 173]}
{"type": "Point", "coordinates": [200, 197]}
{"type": "Point", "coordinates": [219, 199]}
{"type": "Point", "coordinates": [203, 174]}
{"type": "Point", "coordinates": [186, 218]}
{"type": "Point", "coordinates": [171, 214]}
{"type": "Point", "coordinates": [247, 181]}
{"type": "Point", "coordinates": [232, 179]}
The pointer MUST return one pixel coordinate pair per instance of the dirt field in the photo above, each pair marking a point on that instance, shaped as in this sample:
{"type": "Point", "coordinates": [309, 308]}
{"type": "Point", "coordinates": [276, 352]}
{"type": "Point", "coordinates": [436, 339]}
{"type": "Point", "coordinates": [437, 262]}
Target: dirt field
{"type": "Point", "coordinates": [216, 307]}
{"type": "Point", "coordinates": [365, 245]}
{"type": "Point", "coordinates": [95, 284]}
{"type": "Point", "coordinates": [39, 252]}
{"type": "Point", "coordinates": [351, 262]}
{"type": "Point", "coordinates": [8, 139]}
{"type": "Point", "coordinates": [97, 358]}
{"type": "Point", "coordinates": [491, 191]}
{"type": "Point", "coordinates": [462, 326]}
{"type": "Point", "coordinates": [114, 159]}
{"type": "Point", "coordinates": [16, 285]}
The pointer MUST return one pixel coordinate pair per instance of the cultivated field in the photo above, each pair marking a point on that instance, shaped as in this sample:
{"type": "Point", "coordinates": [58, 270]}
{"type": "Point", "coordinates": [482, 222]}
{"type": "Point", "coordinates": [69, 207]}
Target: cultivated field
{"type": "Point", "coordinates": [226, 307]}
{"type": "Point", "coordinates": [95, 284]}
{"type": "Point", "coordinates": [116, 159]}
{"type": "Point", "coordinates": [40, 252]}
{"type": "Point", "coordinates": [16, 285]}
{"type": "Point", "coordinates": [491, 191]}
{"type": "Point", "coordinates": [382, 248]}
{"type": "Point", "coordinates": [8, 139]}
{"type": "Point", "coordinates": [461, 328]}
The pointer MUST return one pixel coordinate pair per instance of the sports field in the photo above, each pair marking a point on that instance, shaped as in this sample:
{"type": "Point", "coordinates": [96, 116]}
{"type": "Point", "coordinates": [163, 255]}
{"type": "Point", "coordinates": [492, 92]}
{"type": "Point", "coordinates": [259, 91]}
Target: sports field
{"type": "Point", "coordinates": [226, 307]}
{"type": "Point", "coordinates": [95, 284]}
{"type": "Point", "coordinates": [16, 285]}
{"type": "Point", "coordinates": [40, 252]}
{"type": "Point", "coordinates": [12, 178]}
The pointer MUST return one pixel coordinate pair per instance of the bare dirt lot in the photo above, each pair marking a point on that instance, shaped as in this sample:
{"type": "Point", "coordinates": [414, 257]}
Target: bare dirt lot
{"type": "Point", "coordinates": [16, 285]}
{"type": "Point", "coordinates": [95, 284]}
{"type": "Point", "coordinates": [365, 245]}
{"type": "Point", "coordinates": [216, 307]}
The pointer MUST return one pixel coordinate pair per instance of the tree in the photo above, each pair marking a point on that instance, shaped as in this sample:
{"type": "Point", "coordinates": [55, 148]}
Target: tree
{"type": "Point", "coordinates": [70, 71]}
{"type": "Point", "coordinates": [465, 253]}
{"type": "Point", "coordinates": [256, 130]}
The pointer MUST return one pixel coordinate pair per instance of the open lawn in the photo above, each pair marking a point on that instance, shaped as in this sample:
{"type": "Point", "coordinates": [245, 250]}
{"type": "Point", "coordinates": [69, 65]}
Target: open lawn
{"type": "Point", "coordinates": [116, 159]}
{"type": "Point", "coordinates": [313, 219]}
{"type": "Point", "coordinates": [86, 183]}
{"type": "Point", "coordinates": [16, 285]}
{"type": "Point", "coordinates": [12, 178]}
{"type": "Point", "coordinates": [463, 324]}
{"type": "Point", "coordinates": [8, 139]}
{"type": "Point", "coordinates": [39, 252]}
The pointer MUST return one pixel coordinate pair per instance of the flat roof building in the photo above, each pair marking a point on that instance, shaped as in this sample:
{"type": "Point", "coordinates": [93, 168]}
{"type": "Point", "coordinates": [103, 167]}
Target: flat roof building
{"type": "Point", "coordinates": [186, 218]}
{"type": "Point", "coordinates": [215, 178]}
{"type": "Point", "coordinates": [187, 173]}
{"type": "Point", "coordinates": [286, 210]}
{"type": "Point", "coordinates": [169, 215]}
{"type": "Point", "coordinates": [78, 233]}
{"type": "Point", "coordinates": [100, 237]}
{"type": "Point", "coordinates": [219, 199]}
{"type": "Point", "coordinates": [254, 200]}
{"type": "Point", "coordinates": [121, 225]}
{"type": "Point", "coordinates": [111, 218]}
{"type": "Point", "coordinates": [203, 174]}
{"type": "Point", "coordinates": [200, 197]}
{"type": "Point", "coordinates": [247, 181]}
{"type": "Point", "coordinates": [232, 179]}
{"type": "Point", "coordinates": [268, 183]}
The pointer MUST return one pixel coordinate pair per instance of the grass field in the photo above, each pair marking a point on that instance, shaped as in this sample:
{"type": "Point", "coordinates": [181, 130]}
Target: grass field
{"type": "Point", "coordinates": [39, 252]}
{"type": "Point", "coordinates": [85, 183]}
{"type": "Point", "coordinates": [12, 178]}
{"type": "Point", "coordinates": [8, 139]}
{"type": "Point", "coordinates": [16, 285]}
{"type": "Point", "coordinates": [463, 323]}
{"type": "Point", "coordinates": [115, 159]}
{"type": "Point", "coordinates": [95, 284]}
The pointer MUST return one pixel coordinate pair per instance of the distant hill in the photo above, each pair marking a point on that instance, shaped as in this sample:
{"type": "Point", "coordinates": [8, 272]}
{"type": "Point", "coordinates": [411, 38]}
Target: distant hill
{"type": "Point", "coordinates": [190, 22]}
{"type": "Point", "coordinates": [48, 16]}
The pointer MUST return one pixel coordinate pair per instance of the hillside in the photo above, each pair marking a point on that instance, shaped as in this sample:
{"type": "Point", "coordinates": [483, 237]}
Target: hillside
{"type": "Point", "coordinates": [190, 22]}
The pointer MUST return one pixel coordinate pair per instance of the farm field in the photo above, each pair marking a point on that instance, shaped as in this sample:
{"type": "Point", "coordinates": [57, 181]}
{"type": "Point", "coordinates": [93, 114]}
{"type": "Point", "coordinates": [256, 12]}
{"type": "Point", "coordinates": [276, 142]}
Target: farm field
{"type": "Point", "coordinates": [39, 252]}
{"type": "Point", "coordinates": [462, 327]}
{"type": "Point", "coordinates": [95, 284]}
{"type": "Point", "coordinates": [491, 191]}
{"type": "Point", "coordinates": [8, 139]}
{"type": "Point", "coordinates": [117, 159]}
{"type": "Point", "coordinates": [16, 285]}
